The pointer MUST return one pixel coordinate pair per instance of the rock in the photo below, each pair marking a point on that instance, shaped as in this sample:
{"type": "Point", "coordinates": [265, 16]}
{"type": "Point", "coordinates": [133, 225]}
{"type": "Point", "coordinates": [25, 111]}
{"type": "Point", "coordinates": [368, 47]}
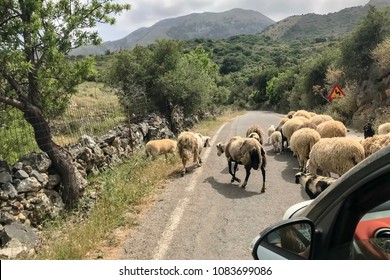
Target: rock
{"type": "Point", "coordinates": [38, 161]}
{"type": "Point", "coordinates": [17, 241]}
{"type": "Point", "coordinates": [38, 176]}
{"type": "Point", "coordinates": [9, 190]}
{"type": "Point", "coordinates": [5, 177]}
{"type": "Point", "coordinates": [29, 184]}
{"type": "Point", "coordinates": [21, 174]}
{"type": "Point", "coordinates": [4, 167]}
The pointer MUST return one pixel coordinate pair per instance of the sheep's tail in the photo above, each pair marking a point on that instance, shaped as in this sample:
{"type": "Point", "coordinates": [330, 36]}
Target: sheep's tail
{"type": "Point", "coordinates": [263, 158]}
{"type": "Point", "coordinates": [255, 158]}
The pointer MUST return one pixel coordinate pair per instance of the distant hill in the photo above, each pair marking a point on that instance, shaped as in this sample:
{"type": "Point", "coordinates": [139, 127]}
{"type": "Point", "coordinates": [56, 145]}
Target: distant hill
{"type": "Point", "coordinates": [321, 26]}
{"type": "Point", "coordinates": [198, 25]}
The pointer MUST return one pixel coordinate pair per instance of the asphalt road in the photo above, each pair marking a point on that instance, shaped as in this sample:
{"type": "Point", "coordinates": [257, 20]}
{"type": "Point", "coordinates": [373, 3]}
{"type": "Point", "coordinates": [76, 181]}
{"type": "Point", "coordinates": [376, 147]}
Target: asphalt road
{"type": "Point", "coordinates": [202, 216]}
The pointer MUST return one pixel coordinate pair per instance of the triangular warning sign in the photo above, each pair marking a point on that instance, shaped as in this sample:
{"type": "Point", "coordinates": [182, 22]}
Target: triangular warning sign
{"type": "Point", "coordinates": [336, 92]}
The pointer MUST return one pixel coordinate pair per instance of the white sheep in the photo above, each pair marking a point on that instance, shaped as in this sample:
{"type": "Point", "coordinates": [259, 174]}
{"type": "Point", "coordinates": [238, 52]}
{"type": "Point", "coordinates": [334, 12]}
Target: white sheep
{"type": "Point", "coordinates": [302, 113]}
{"type": "Point", "coordinates": [313, 184]}
{"type": "Point", "coordinates": [277, 141]}
{"type": "Point", "coordinates": [290, 114]}
{"type": "Point", "coordinates": [291, 126]}
{"type": "Point", "coordinates": [301, 143]}
{"type": "Point", "coordinates": [190, 144]}
{"type": "Point", "coordinates": [375, 143]}
{"type": "Point", "coordinates": [318, 119]}
{"type": "Point", "coordinates": [331, 129]}
{"type": "Point", "coordinates": [336, 155]}
{"type": "Point", "coordinates": [154, 148]}
{"type": "Point", "coordinates": [257, 129]}
{"type": "Point", "coordinates": [245, 151]}
{"type": "Point", "coordinates": [271, 129]}
{"type": "Point", "coordinates": [384, 128]}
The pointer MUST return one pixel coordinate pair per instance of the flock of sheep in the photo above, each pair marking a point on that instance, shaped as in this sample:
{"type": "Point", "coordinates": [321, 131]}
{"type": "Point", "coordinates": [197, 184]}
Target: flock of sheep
{"type": "Point", "coordinates": [317, 141]}
{"type": "Point", "coordinates": [321, 143]}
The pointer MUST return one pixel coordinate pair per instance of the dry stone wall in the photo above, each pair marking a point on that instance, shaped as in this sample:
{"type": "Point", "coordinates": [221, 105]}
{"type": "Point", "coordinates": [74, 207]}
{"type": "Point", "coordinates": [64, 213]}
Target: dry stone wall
{"type": "Point", "coordinates": [30, 189]}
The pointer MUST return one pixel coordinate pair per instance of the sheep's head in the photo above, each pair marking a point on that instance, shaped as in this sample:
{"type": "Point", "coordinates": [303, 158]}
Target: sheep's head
{"type": "Point", "coordinates": [220, 149]}
{"type": "Point", "coordinates": [298, 177]}
{"type": "Point", "coordinates": [255, 136]}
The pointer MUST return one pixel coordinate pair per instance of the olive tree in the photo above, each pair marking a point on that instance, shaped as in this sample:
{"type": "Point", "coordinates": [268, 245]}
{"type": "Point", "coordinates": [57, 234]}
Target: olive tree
{"type": "Point", "coordinates": [36, 76]}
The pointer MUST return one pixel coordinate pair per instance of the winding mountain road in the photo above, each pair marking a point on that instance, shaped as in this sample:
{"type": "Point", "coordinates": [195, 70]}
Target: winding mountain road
{"type": "Point", "coordinates": [202, 216]}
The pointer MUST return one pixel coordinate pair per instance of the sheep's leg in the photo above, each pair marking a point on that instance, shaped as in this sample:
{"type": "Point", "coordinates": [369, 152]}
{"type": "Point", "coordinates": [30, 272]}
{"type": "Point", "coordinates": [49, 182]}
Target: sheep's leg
{"type": "Point", "coordinates": [263, 173]}
{"type": "Point", "coordinates": [248, 173]}
{"type": "Point", "coordinates": [184, 167]}
{"type": "Point", "coordinates": [234, 178]}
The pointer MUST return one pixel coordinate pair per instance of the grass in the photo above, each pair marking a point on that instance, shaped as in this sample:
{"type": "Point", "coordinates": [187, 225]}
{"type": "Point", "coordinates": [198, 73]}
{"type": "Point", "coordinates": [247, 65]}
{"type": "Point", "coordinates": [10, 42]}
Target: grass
{"type": "Point", "coordinates": [123, 193]}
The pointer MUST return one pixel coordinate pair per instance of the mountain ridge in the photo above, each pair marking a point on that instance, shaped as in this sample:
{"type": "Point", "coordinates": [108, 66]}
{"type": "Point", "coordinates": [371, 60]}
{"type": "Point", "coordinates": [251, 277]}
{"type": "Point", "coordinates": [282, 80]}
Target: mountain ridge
{"type": "Point", "coordinates": [239, 21]}
{"type": "Point", "coordinates": [206, 25]}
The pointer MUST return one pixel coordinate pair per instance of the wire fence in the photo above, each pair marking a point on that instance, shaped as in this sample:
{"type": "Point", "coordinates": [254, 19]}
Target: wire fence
{"type": "Point", "coordinates": [17, 137]}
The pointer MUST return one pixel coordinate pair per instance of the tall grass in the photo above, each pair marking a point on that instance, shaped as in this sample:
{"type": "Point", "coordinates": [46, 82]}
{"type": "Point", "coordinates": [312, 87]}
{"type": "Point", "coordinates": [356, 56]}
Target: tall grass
{"type": "Point", "coordinates": [125, 189]}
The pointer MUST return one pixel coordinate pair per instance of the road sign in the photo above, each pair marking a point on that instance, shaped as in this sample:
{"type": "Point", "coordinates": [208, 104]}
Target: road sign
{"type": "Point", "coordinates": [336, 93]}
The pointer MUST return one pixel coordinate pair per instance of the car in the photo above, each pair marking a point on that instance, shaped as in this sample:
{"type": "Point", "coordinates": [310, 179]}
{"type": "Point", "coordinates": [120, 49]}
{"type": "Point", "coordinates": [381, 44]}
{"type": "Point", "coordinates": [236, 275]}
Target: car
{"type": "Point", "coordinates": [349, 220]}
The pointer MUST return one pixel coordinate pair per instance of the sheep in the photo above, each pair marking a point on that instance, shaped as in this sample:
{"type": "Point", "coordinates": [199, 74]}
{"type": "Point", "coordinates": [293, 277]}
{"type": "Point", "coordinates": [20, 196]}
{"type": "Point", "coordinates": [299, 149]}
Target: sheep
{"type": "Point", "coordinates": [384, 128]}
{"type": "Point", "coordinates": [291, 126]}
{"type": "Point", "coordinates": [158, 147]}
{"type": "Point", "coordinates": [271, 129]}
{"type": "Point", "coordinates": [282, 122]}
{"type": "Point", "coordinates": [245, 151]}
{"type": "Point", "coordinates": [255, 136]}
{"type": "Point", "coordinates": [301, 143]}
{"type": "Point", "coordinates": [307, 124]}
{"type": "Point", "coordinates": [331, 129]}
{"type": "Point", "coordinates": [191, 144]}
{"type": "Point", "coordinates": [290, 114]}
{"type": "Point", "coordinates": [375, 143]}
{"type": "Point", "coordinates": [368, 130]}
{"type": "Point", "coordinates": [277, 141]}
{"type": "Point", "coordinates": [336, 155]}
{"type": "Point", "coordinates": [256, 128]}
{"type": "Point", "coordinates": [302, 113]}
{"type": "Point", "coordinates": [313, 184]}
{"type": "Point", "coordinates": [318, 119]}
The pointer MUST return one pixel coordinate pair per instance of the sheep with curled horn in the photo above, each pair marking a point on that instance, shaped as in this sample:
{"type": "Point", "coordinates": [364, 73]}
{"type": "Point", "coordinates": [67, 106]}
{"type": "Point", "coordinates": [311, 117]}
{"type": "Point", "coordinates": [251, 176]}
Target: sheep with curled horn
{"type": "Point", "coordinates": [245, 151]}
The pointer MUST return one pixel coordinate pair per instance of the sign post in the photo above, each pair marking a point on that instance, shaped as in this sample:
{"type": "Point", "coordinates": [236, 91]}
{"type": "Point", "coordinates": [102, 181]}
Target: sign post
{"type": "Point", "coordinates": [336, 93]}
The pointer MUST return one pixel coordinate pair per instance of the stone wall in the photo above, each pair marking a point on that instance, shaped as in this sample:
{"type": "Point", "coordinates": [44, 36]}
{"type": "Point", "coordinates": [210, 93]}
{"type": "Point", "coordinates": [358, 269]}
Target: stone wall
{"type": "Point", "coordinates": [30, 189]}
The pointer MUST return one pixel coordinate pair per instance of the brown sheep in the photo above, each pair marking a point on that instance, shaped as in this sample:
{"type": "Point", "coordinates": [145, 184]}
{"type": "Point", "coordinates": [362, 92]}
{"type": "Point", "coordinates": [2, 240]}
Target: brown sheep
{"type": "Point", "coordinates": [256, 128]}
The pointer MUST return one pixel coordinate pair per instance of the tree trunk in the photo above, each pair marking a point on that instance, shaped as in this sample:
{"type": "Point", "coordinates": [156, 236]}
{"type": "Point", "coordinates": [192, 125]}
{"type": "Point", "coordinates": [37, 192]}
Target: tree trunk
{"type": "Point", "coordinates": [61, 160]}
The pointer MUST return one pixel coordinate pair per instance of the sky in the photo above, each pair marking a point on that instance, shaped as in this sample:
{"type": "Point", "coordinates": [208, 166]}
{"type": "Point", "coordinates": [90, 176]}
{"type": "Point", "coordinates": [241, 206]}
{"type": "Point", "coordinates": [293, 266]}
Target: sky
{"type": "Point", "coordinates": [145, 13]}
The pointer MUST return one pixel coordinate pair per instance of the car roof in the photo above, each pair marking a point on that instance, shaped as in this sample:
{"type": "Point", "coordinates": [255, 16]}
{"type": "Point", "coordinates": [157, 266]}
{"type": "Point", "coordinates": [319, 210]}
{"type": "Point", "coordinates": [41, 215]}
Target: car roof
{"type": "Point", "coordinates": [373, 166]}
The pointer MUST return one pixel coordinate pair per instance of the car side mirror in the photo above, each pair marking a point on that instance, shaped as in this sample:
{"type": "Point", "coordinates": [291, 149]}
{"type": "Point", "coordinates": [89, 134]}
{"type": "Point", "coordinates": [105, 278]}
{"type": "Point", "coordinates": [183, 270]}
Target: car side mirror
{"type": "Point", "coordinates": [290, 239]}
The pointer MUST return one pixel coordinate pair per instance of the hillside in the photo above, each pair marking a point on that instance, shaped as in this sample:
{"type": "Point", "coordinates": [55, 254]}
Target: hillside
{"type": "Point", "coordinates": [198, 25]}
{"type": "Point", "coordinates": [321, 26]}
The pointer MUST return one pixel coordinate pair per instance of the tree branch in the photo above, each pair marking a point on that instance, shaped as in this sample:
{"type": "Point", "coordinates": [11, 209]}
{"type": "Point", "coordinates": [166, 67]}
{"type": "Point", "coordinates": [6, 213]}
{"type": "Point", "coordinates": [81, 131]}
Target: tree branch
{"type": "Point", "coordinates": [12, 102]}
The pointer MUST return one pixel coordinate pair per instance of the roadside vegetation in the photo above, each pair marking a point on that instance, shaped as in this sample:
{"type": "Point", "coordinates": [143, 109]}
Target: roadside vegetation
{"type": "Point", "coordinates": [122, 195]}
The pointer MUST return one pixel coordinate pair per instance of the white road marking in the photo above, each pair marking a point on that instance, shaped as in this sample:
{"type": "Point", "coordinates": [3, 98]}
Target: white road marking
{"type": "Point", "coordinates": [167, 236]}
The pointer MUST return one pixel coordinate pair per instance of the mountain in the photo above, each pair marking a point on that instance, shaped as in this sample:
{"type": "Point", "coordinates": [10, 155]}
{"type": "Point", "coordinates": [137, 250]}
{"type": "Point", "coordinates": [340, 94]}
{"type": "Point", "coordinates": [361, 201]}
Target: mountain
{"type": "Point", "coordinates": [321, 26]}
{"type": "Point", "coordinates": [197, 25]}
